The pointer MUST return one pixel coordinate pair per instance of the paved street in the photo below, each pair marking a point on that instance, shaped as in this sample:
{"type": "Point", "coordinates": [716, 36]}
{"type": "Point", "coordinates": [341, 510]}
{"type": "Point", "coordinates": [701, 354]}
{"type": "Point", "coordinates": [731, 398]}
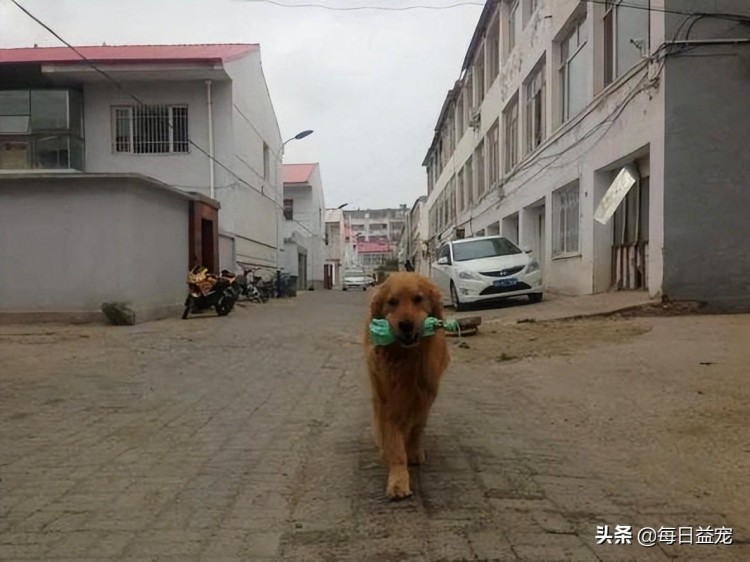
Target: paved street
{"type": "Point", "coordinates": [247, 438]}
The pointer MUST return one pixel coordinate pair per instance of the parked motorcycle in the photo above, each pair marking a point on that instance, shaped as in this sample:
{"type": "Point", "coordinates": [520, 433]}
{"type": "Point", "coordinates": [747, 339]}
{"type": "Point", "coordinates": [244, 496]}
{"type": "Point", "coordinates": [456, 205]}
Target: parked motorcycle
{"type": "Point", "coordinates": [206, 290]}
{"type": "Point", "coordinates": [253, 290]}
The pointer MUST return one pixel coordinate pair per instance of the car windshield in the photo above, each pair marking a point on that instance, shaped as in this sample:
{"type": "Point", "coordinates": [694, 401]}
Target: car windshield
{"type": "Point", "coordinates": [485, 248]}
{"type": "Point", "coordinates": [354, 273]}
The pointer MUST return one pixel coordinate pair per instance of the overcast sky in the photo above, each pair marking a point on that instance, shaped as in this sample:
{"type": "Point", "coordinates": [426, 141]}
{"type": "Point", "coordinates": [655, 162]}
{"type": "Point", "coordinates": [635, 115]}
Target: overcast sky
{"type": "Point", "coordinates": [370, 83]}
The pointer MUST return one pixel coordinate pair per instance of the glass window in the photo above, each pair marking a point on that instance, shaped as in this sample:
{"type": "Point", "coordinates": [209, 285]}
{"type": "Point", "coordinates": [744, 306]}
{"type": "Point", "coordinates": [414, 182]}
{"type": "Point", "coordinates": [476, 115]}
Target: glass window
{"type": "Point", "coordinates": [535, 110]}
{"type": "Point", "coordinates": [49, 110]}
{"type": "Point", "coordinates": [565, 220]}
{"type": "Point", "coordinates": [510, 117]}
{"type": "Point", "coordinates": [626, 36]}
{"type": "Point", "coordinates": [487, 248]}
{"type": "Point", "coordinates": [575, 76]}
{"type": "Point", "coordinates": [15, 102]}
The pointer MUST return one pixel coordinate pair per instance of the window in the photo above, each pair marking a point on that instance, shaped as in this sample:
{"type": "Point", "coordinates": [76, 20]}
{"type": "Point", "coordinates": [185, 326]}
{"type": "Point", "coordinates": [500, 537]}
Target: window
{"type": "Point", "coordinates": [266, 162]}
{"type": "Point", "coordinates": [459, 112]}
{"type": "Point", "coordinates": [41, 129]}
{"type": "Point", "coordinates": [493, 154]}
{"type": "Point", "coordinates": [532, 5]}
{"type": "Point", "coordinates": [535, 113]}
{"type": "Point", "coordinates": [626, 31]}
{"type": "Point", "coordinates": [574, 71]}
{"type": "Point", "coordinates": [150, 129]}
{"type": "Point", "coordinates": [479, 77]}
{"type": "Point", "coordinates": [479, 168]}
{"type": "Point", "coordinates": [460, 186]}
{"type": "Point", "coordinates": [493, 52]}
{"type": "Point", "coordinates": [468, 98]}
{"type": "Point", "coordinates": [510, 119]}
{"type": "Point", "coordinates": [481, 249]}
{"type": "Point", "coordinates": [565, 220]}
{"type": "Point", "coordinates": [289, 214]}
{"type": "Point", "coordinates": [514, 24]}
{"type": "Point", "coordinates": [469, 182]}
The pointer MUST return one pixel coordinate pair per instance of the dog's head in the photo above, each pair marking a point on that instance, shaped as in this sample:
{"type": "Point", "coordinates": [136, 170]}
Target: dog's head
{"type": "Point", "coordinates": [405, 300]}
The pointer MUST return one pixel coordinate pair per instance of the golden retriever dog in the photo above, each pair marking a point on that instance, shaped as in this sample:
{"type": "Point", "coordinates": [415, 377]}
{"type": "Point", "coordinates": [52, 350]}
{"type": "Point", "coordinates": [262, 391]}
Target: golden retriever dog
{"type": "Point", "coordinates": [404, 375]}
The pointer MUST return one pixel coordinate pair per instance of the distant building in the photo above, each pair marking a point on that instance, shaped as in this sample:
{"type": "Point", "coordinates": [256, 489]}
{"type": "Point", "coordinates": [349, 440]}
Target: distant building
{"type": "Point", "coordinates": [374, 234]}
{"type": "Point", "coordinates": [413, 238]}
{"type": "Point", "coordinates": [304, 225]}
{"type": "Point", "coordinates": [335, 248]}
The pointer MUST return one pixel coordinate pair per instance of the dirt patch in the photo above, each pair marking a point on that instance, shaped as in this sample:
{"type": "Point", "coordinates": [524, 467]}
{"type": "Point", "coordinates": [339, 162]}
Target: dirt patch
{"type": "Point", "coordinates": [501, 343]}
{"type": "Point", "coordinates": [655, 310]}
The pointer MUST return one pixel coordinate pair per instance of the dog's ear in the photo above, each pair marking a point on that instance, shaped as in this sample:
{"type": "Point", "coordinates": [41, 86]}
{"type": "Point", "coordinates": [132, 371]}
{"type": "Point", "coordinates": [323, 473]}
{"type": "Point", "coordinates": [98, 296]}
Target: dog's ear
{"type": "Point", "coordinates": [433, 297]}
{"type": "Point", "coordinates": [376, 302]}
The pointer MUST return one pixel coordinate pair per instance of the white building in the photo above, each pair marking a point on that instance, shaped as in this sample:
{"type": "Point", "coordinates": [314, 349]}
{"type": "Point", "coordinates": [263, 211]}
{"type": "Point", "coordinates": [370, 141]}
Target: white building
{"type": "Point", "coordinates": [195, 117]}
{"type": "Point", "coordinates": [412, 244]}
{"type": "Point", "coordinates": [557, 97]}
{"type": "Point", "coordinates": [304, 224]}
{"type": "Point", "coordinates": [335, 247]}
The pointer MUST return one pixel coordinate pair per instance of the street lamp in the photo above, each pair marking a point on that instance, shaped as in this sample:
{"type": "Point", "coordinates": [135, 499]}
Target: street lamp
{"type": "Point", "coordinates": [298, 136]}
{"type": "Point", "coordinates": [279, 235]}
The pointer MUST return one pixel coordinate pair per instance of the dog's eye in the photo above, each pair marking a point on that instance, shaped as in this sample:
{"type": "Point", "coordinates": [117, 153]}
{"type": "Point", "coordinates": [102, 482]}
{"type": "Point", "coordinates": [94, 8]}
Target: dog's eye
{"type": "Point", "coordinates": [417, 299]}
{"type": "Point", "coordinates": [393, 302]}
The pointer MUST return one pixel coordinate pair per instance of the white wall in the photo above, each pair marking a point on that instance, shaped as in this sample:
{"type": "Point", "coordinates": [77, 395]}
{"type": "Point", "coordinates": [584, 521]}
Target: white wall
{"type": "Point", "coordinates": [89, 240]}
{"type": "Point", "coordinates": [187, 171]}
{"type": "Point", "coordinates": [253, 123]}
{"type": "Point", "coordinates": [309, 223]}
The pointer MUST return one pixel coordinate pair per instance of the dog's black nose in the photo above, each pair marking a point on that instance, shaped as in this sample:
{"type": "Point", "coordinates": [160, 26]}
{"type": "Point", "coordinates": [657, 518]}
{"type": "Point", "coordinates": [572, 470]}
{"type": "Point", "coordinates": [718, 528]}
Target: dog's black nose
{"type": "Point", "coordinates": [406, 327]}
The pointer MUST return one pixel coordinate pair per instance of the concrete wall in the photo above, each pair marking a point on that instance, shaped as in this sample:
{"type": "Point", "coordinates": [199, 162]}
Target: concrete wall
{"type": "Point", "coordinates": [706, 195]}
{"type": "Point", "coordinates": [70, 243]}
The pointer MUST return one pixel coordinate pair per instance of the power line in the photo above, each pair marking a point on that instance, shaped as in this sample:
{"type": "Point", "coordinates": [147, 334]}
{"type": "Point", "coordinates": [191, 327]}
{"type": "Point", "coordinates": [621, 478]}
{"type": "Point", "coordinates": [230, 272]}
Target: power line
{"type": "Point", "coordinates": [140, 102]}
{"type": "Point", "coordinates": [375, 8]}
{"type": "Point", "coordinates": [649, 8]}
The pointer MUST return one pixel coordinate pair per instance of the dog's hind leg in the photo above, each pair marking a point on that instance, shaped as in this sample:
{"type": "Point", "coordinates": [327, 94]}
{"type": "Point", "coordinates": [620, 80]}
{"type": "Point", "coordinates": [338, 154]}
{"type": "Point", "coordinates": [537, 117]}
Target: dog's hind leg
{"type": "Point", "coordinates": [414, 450]}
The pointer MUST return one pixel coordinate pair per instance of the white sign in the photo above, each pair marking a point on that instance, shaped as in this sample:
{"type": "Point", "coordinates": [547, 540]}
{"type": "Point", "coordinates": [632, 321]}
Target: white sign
{"type": "Point", "coordinates": [615, 194]}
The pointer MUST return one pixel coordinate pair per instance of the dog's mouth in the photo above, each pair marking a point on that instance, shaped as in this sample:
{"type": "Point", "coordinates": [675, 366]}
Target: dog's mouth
{"type": "Point", "coordinates": [409, 340]}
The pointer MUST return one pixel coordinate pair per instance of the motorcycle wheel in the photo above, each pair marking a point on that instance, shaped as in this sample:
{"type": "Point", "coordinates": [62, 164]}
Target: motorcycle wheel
{"type": "Point", "coordinates": [223, 306]}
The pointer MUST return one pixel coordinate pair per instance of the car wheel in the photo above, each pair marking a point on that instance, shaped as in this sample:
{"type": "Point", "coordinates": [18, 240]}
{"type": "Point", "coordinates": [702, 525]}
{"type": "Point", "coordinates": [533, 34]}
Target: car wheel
{"type": "Point", "coordinates": [364, 287]}
{"type": "Point", "coordinates": [343, 288]}
{"type": "Point", "coordinates": [455, 303]}
{"type": "Point", "coordinates": [535, 297]}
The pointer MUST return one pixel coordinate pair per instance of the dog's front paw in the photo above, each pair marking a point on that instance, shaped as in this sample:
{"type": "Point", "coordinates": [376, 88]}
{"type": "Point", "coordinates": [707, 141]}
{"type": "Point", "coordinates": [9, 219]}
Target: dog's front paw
{"type": "Point", "coordinates": [398, 486]}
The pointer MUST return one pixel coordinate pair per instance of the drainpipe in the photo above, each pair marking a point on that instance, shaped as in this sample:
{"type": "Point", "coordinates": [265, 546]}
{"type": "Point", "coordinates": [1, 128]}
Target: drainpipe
{"type": "Point", "coordinates": [209, 105]}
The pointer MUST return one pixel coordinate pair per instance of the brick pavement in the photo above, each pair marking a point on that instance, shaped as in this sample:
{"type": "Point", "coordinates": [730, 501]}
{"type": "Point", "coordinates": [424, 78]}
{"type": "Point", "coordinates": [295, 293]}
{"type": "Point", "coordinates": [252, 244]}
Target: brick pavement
{"type": "Point", "coordinates": [246, 438]}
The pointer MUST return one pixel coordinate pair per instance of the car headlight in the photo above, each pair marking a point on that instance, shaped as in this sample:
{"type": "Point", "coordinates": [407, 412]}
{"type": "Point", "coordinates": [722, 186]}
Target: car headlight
{"type": "Point", "coordinates": [469, 275]}
{"type": "Point", "coordinates": [532, 267]}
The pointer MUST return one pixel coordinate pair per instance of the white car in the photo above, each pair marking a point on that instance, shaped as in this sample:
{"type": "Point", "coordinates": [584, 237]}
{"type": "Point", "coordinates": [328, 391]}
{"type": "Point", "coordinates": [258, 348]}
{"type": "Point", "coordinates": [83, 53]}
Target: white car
{"type": "Point", "coordinates": [356, 279]}
{"type": "Point", "coordinates": [485, 268]}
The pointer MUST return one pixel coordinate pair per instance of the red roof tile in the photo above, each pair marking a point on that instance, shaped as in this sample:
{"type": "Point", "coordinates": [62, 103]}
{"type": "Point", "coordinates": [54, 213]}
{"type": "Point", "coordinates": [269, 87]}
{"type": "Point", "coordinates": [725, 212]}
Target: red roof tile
{"type": "Point", "coordinates": [128, 53]}
{"type": "Point", "coordinates": [298, 173]}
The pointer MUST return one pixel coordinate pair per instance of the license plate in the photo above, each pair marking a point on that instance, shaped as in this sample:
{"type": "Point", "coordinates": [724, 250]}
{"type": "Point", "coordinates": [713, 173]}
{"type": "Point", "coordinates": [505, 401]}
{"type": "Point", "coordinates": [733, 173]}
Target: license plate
{"type": "Point", "coordinates": [505, 282]}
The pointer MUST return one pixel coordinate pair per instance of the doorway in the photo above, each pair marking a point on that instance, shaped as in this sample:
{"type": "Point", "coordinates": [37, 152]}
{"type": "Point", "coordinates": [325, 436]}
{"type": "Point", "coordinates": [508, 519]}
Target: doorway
{"type": "Point", "coordinates": [208, 258]}
{"type": "Point", "coordinates": [630, 239]}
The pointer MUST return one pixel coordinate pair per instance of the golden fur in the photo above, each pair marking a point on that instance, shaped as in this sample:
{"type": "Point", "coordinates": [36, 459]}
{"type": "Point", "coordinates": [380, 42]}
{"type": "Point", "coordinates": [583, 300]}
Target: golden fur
{"type": "Point", "coordinates": [405, 375]}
